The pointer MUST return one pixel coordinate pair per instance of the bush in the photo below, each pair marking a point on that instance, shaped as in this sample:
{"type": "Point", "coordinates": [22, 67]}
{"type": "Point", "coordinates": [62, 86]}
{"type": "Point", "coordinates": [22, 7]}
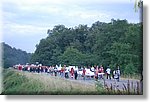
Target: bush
{"type": "Point", "coordinates": [129, 69]}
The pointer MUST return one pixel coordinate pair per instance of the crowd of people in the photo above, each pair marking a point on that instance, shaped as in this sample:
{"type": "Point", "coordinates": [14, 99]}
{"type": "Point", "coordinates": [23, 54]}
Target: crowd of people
{"type": "Point", "coordinates": [72, 72]}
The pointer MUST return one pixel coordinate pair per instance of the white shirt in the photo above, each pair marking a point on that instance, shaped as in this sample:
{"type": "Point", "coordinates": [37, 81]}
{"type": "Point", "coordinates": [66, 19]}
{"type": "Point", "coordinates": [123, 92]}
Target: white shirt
{"type": "Point", "coordinates": [92, 68]}
{"type": "Point", "coordinates": [118, 72]}
{"type": "Point", "coordinates": [108, 70]}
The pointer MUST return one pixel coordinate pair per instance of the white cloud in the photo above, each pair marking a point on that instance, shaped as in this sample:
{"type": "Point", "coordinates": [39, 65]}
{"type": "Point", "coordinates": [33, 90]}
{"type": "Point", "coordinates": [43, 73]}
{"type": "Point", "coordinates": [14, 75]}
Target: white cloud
{"type": "Point", "coordinates": [88, 15]}
{"type": "Point", "coordinates": [65, 8]}
{"type": "Point", "coordinates": [30, 2]}
{"type": "Point", "coordinates": [55, 6]}
{"type": "Point", "coordinates": [30, 18]}
{"type": "Point", "coordinates": [62, 9]}
{"type": "Point", "coordinates": [90, 2]}
{"type": "Point", "coordinates": [62, 2]}
{"type": "Point", "coordinates": [23, 30]}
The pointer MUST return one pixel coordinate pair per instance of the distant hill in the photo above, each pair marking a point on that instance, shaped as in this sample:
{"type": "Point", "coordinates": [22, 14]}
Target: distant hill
{"type": "Point", "coordinates": [12, 56]}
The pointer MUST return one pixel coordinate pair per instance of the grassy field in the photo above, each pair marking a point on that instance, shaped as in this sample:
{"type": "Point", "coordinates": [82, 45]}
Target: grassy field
{"type": "Point", "coordinates": [16, 82]}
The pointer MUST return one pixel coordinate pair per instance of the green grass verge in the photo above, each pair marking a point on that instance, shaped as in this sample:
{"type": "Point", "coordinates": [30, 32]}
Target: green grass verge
{"type": "Point", "coordinates": [24, 83]}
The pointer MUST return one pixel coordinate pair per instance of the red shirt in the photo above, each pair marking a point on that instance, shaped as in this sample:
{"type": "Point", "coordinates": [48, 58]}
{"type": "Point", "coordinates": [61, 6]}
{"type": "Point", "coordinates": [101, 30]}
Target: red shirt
{"type": "Point", "coordinates": [84, 71]}
{"type": "Point", "coordinates": [20, 67]}
{"type": "Point", "coordinates": [72, 70]}
{"type": "Point", "coordinates": [101, 70]}
{"type": "Point", "coordinates": [62, 69]}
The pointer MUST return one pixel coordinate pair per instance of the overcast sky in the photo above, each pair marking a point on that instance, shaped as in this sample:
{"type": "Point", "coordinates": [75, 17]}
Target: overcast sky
{"type": "Point", "coordinates": [25, 22]}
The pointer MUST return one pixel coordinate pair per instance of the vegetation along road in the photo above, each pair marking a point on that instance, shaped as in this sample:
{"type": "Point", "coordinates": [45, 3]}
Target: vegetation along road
{"type": "Point", "coordinates": [46, 84]}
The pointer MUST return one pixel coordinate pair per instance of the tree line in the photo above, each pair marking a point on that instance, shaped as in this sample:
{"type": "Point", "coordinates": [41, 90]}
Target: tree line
{"type": "Point", "coordinates": [115, 43]}
{"type": "Point", "coordinates": [12, 56]}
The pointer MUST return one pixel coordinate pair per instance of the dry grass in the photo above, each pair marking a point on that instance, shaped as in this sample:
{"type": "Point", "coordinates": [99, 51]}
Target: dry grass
{"type": "Point", "coordinates": [128, 89]}
{"type": "Point", "coordinates": [53, 84]}
{"type": "Point", "coordinates": [17, 82]}
{"type": "Point", "coordinates": [132, 77]}
{"type": "Point", "coordinates": [46, 84]}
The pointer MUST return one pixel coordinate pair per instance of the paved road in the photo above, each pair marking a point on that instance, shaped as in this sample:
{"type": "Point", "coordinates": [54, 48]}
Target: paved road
{"type": "Point", "coordinates": [121, 85]}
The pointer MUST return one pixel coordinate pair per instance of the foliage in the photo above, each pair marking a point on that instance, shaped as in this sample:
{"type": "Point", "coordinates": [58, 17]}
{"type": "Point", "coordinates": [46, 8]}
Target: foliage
{"type": "Point", "coordinates": [99, 86]}
{"type": "Point", "coordinates": [129, 69]}
{"type": "Point", "coordinates": [138, 4]}
{"type": "Point", "coordinates": [17, 83]}
{"type": "Point", "coordinates": [12, 56]}
{"type": "Point", "coordinates": [115, 43]}
{"type": "Point", "coordinates": [72, 56]}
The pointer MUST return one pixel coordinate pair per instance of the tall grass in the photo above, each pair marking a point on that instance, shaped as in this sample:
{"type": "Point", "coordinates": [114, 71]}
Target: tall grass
{"type": "Point", "coordinates": [128, 89]}
{"type": "Point", "coordinates": [133, 76]}
{"type": "Point", "coordinates": [17, 82]}
{"type": "Point", "coordinates": [28, 83]}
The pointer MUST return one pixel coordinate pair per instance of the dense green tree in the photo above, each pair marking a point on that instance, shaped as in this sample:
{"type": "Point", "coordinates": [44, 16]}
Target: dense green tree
{"type": "Point", "coordinates": [115, 43]}
{"type": "Point", "coordinates": [72, 56]}
{"type": "Point", "coordinates": [12, 56]}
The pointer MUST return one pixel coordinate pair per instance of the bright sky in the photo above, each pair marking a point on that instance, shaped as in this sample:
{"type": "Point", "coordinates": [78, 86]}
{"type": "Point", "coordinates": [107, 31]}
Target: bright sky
{"type": "Point", "coordinates": [25, 22]}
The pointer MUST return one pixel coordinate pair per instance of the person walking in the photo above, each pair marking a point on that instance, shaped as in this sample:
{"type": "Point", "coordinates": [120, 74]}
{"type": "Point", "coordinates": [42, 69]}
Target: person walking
{"type": "Point", "coordinates": [63, 71]}
{"type": "Point", "coordinates": [101, 71]}
{"type": "Point", "coordinates": [92, 69]}
{"type": "Point", "coordinates": [66, 73]}
{"type": "Point", "coordinates": [55, 71]}
{"type": "Point", "coordinates": [75, 74]}
{"type": "Point", "coordinates": [72, 72]}
{"type": "Point", "coordinates": [114, 73]}
{"type": "Point", "coordinates": [20, 67]}
{"type": "Point", "coordinates": [108, 72]}
{"type": "Point", "coordinates": [96, 73]}
{"type": "Point", "coordinates": [38, 69]}
{"type": "Point", "coordinates": [84, 71]}
{"type": "Point", "coordinates": [118, 73]}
